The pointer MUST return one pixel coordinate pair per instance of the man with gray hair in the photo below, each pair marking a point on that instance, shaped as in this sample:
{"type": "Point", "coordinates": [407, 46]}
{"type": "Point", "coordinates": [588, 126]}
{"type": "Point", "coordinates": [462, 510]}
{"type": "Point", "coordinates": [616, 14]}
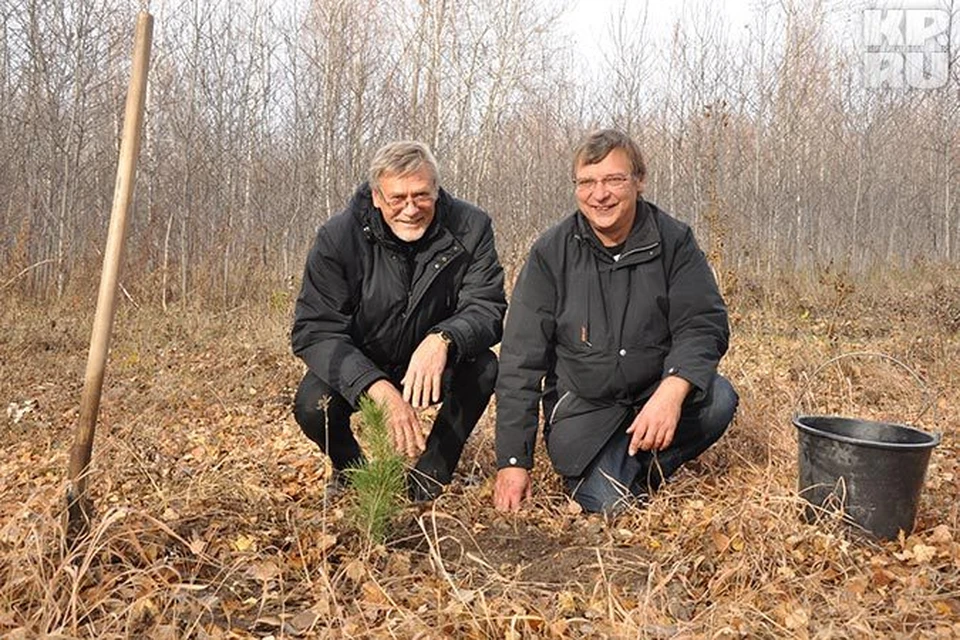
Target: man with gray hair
{"type": "Point", "coordinates": [402, 298]}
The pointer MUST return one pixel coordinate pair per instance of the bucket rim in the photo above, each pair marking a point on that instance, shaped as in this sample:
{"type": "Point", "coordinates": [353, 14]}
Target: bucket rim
{"type": "Point", "coordinates": [934, 438]}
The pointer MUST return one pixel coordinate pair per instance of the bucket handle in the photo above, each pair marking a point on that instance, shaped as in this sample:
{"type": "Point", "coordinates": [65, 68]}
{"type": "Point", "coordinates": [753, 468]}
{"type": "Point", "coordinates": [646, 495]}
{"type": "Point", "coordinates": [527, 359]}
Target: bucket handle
{"type": "Point", "coordinates": [924, 387]}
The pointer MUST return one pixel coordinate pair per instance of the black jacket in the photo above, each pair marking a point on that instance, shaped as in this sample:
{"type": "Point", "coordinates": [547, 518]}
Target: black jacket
{"type": "Point", "coordinates": [368, 299]}
{"type": "Point", "coordinates": [606, 331]}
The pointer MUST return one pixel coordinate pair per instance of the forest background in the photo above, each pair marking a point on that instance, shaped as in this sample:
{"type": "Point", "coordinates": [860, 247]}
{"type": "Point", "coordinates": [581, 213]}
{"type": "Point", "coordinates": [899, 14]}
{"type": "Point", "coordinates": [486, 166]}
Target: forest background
{"type": "Point", "coordinates": [828, 208]}
{"type": "Point", "coordinates": [760, 132]}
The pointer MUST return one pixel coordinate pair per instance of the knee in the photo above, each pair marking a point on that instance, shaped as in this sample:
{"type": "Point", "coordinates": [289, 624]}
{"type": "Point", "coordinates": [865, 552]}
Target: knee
{"type": "Point", "coordinates": [722, 405]}
{"type": "Point", "coordinates": [489, 367]}
{"type": "Point", "coordinates": [310, 403]}
{"type": "Point", "coordinates": [480, 372]}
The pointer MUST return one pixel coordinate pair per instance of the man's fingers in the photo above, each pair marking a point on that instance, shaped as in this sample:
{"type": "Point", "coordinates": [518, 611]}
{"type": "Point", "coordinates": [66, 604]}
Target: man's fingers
{"type": "Point", "coordinates": [649, 440]}
{"type": "Point", "coordinates": [509, 493]}
{"type": "Point", "coordinates": [664, 440]}
{"type": "Point", "coordinates": [423, 399]}
{"type": "Point", "coordinates": [417, 390]}
{"type": "Point", "coordinates": [655, 441]}
{"type": "Point", "coordinates": [500, 499]}
{"type": "Point", "coordinates": [418, 436]}
{"type": "Point", "coordinates": [435, 395]}
{"type": "Point", "coordinates": [413, 442]}
{"type": "Point", "coordinates": [506, 502]}
{"type": "Point", "coordinates": [407, 388]}
{"type": "Point", "coordinates": [636, 441]}
{"type": "Point", "coordinates": [667, 440]}
{"type": "Point", "coordinates": [426, 392]}
{"type": "Point", "coordinates": [399, 439]}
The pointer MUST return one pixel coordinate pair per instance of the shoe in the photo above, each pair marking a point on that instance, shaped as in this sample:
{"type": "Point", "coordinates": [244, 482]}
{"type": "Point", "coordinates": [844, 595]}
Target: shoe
{"type": "Point", "coordinates": [337, 485]}
{"type": "Point", "coordinates": [422, 488]}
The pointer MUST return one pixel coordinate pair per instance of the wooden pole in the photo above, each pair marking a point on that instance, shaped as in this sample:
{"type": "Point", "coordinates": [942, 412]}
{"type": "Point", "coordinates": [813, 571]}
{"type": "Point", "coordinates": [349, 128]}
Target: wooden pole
{"type": "Point", "coordinates": [79, 506]}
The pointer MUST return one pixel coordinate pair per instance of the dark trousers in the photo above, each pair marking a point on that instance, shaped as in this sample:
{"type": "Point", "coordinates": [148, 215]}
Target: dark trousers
{"type": "Point", "coordinates": [614, 478]}
{"type": "Point", "coordinates": [324, 416]}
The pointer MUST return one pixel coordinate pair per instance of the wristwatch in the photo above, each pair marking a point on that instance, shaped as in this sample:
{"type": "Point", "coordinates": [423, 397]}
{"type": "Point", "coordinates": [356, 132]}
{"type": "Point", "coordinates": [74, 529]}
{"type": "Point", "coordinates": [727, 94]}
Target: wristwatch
{"type": "Point", "coordinates": [443, 335]}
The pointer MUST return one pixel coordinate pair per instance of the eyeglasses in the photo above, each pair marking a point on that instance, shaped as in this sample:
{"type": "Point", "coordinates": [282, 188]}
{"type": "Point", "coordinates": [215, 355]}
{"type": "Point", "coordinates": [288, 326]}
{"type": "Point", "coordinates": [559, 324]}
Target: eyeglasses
{"type": "Point", "coordinates": [398, 202]}
{"type": "Point", "coordinates": [614, 182]}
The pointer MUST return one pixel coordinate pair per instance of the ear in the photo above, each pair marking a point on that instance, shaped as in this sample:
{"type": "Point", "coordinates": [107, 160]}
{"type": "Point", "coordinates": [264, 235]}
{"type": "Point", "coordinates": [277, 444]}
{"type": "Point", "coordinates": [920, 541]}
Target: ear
{"type": "Point", "coordinates": [377, 199]}
{"type": "Point", "coordinates": [641, 185]}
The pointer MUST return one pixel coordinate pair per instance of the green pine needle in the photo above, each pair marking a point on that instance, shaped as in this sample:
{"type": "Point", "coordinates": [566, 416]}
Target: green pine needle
{"type": "Point", "coordinates": [379, 483]}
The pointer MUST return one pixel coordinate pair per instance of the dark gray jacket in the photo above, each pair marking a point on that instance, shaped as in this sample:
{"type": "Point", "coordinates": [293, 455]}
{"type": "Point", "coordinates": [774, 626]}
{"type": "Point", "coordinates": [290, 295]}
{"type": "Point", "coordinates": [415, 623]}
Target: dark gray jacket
{"type": "Point", "coordinates": [605, 331]}
{"type": "Point", "coordinates": [368, 299]}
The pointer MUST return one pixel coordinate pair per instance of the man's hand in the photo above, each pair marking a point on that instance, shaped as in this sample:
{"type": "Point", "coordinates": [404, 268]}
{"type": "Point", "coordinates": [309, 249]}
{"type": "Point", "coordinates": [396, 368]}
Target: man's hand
{"type": "Point", "coordinates": [512, 487]}
{"type": "Point", "coordinates": [421, 384]}
{"type": "Point", "coordinates": [654, 427]}
{"type": "Point", "coordinates": [403, 421]}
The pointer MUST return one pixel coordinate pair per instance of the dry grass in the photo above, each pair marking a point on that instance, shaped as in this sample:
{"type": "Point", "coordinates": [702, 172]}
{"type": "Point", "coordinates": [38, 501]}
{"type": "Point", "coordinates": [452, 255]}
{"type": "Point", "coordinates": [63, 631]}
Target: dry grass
{"type": "Point", "coordinates": [212, 521]}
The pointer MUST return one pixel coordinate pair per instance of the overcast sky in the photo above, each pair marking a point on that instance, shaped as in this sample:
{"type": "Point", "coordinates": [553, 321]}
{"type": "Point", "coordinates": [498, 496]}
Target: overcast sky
{"type": "Point", "coordinates": [588, 21]}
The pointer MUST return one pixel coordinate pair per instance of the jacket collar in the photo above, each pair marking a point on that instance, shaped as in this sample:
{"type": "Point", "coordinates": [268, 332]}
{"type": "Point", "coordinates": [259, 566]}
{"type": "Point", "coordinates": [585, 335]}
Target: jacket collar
{"type": "Point", "coordinates": [644, 234]}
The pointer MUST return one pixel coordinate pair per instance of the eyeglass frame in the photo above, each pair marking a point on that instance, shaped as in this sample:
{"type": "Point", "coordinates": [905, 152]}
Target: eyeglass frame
{"type": "Point", "coordinates": [399, 203]}
{"type": "Point", "coordinates": [613, 182]}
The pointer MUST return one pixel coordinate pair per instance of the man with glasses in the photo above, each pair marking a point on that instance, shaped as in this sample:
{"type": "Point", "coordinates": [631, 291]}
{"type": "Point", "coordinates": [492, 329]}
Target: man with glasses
{"type": "Point", "coordinates": [402, 298]}
{"type": "Point", "coordinates": [616, 325]}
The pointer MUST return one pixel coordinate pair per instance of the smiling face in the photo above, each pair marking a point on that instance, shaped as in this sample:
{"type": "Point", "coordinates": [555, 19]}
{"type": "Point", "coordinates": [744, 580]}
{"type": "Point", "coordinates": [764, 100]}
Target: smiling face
{"type": "Point", "coordinates": [407, 202]}
{"type": "Point", "coordinates": [607, 193]}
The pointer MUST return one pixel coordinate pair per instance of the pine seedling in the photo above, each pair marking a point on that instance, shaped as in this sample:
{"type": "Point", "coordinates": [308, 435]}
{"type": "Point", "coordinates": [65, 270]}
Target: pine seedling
{"type": "Point", "coordinates": [379, 483]}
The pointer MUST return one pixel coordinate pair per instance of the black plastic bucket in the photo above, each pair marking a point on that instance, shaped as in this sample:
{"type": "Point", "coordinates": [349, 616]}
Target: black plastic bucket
{"type": "Point", "coordinates": [873, 470]}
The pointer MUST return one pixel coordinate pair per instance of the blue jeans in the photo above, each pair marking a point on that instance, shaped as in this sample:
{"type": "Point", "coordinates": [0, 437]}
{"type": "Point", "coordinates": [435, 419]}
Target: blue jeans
{"type": "Point", "coordinates": [614, 479]}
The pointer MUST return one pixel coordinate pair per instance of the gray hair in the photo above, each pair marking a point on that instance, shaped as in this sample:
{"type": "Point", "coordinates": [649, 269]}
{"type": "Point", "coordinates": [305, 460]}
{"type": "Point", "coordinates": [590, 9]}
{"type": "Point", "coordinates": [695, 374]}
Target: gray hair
{"type": "Point", "coordinates": [598, 145]}
{"type": "Point", "coordinates": [402, 158]}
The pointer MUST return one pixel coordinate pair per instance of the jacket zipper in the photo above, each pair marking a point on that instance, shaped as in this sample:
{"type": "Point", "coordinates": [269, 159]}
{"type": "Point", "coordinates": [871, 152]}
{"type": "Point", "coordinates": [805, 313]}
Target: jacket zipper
{"type": "Point", "coordinates": [553, 414]}
{"type": "Point", "coordinates": [439, 264]}
{"type": "Point", "coordinates": [648, 247]}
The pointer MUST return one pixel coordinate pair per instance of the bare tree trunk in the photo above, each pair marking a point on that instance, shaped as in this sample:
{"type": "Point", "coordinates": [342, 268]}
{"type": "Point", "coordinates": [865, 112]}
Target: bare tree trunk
{"type": "Point", "coordinates": [165, 270]}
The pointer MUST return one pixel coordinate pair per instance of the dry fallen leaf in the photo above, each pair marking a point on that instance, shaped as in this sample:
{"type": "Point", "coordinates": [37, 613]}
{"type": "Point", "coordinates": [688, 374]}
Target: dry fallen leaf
{"type": "Point", "coordinates": [264, 571]}
{"type": "Point", "coordinates": [796, 618]}
{"type": "Point", "coordinates": [721, 542]}
{"type": "Point", "coordinates": [941, 534]}
{"type": "Point", "coordinates": [786, 572]}
{"type": "Point", "coordinates": [245, 543]}
{"type": "Point", "coordinates": [923, 553]}
{"type": "Point", "coordinates": [197, 545]}
{"type": "Point", "coordinates": [355, 570]}
{"type": "Point", "coordinates": [304, 621]}
{"type": "Point", "coordinates": [566, 603]}
{"type": "Point", "coordinates": [326, 542]}
{"type": "Point", "coordinates": [625, 534]}
{"type": "Point", "coordinates": [372, 593]}
{"type": "Point", "coordinates": [857, 586]}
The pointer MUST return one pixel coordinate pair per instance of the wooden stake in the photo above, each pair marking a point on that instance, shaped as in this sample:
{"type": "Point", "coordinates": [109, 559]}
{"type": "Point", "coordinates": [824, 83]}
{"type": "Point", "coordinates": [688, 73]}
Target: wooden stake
{"type": "Point", "coordinates": [79, 506]}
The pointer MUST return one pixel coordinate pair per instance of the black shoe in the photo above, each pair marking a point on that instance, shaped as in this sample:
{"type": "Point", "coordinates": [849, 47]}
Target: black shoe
{"type": "Point", "coordinates": [337, 485]}
{"type": "Point", "coordinates": [422, 488]}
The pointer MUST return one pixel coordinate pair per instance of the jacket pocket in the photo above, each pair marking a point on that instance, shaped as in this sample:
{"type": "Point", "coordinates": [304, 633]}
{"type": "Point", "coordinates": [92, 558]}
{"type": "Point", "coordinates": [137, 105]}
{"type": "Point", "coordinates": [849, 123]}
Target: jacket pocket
{"type": "Point", "coordinates": [642, 366]}
{"type": "Point", "coordinates": [589, 374]}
